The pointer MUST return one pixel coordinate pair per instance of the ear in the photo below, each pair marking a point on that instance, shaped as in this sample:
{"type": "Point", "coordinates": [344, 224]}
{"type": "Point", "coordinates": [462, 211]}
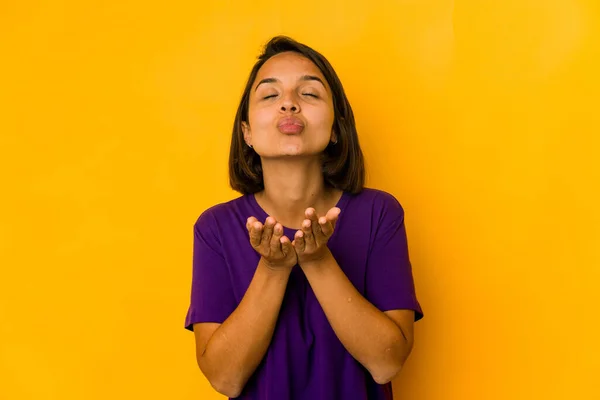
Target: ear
{"type": "Point", "coordinates": [247, 133]}
{"type": "Point", "coordinates": [334, 137]}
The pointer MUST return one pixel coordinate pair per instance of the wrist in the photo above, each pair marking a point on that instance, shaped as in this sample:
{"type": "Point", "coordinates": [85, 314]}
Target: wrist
{"type": "Point", "coordinates": [317, 260]}
{"type": "Point", "coordinates": [274, 269]}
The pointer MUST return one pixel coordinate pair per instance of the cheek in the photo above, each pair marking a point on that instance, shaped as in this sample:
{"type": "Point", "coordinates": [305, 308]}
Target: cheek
{"type": "Point", "coordinates": [259, 119]}
{"type": "Point", "coordinates": [323, 119]}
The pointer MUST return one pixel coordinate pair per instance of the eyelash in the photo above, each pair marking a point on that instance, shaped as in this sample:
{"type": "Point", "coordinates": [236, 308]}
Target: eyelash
{"type": "Point", "coordinates": [305, 94]}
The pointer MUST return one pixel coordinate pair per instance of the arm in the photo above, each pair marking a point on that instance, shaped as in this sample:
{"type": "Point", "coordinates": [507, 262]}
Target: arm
{"type": "Point", "coordinates": [380, 341]}
{"type": "Point", "coordinates": [229, 353]}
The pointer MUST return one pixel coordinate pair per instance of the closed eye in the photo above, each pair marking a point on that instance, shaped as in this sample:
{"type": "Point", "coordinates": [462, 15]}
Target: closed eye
{"type": "Point", "coordinates": [269, 96]}
{"type": "Point", "coordinates": [311, 94]}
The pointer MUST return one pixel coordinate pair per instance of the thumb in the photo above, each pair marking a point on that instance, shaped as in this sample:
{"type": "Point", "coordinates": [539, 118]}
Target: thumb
{"type": "Point", "coordinates": [332, 215]}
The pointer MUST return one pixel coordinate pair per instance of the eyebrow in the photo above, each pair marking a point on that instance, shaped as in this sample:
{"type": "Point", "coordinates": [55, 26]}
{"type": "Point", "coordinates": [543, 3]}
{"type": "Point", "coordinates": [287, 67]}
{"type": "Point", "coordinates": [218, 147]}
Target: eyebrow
{"type": "Point", "coordinates": [302, 78]}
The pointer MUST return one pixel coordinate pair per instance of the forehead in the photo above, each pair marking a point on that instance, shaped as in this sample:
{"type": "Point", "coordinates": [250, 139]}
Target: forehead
{"type": "Point", "coordinates": [288, 65]}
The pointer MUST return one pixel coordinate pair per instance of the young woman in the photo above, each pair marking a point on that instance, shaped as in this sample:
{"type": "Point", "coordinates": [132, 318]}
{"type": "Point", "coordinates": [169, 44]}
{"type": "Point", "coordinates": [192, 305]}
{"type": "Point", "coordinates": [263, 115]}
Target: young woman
{"type": "Point", "coordinates": [302, 287]}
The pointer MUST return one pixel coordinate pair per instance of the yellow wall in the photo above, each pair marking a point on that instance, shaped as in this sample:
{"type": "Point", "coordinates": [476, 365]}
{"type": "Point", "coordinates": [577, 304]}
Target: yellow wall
{"type": "Point", "coordinates": [480, 116]}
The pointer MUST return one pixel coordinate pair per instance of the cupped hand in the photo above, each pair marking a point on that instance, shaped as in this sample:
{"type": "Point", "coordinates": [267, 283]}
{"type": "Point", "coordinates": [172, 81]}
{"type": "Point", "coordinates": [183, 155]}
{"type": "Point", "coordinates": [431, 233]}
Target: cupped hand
{"type": "Point", "coordinates": [310, 242]}
{"type": "Point", "coordinates": [268, 240]}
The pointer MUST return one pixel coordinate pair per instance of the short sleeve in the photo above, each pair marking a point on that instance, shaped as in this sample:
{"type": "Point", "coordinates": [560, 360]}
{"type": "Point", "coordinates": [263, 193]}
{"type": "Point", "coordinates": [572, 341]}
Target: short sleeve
{"type": "Point", "coordinates": [389, 280]}
{"type": "Point", "coordinates": [212, 298]}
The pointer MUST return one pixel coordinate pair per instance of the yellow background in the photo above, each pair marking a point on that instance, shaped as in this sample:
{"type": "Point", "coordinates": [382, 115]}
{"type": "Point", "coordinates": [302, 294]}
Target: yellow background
{"type": "Point", "coordinates": [480, 116]}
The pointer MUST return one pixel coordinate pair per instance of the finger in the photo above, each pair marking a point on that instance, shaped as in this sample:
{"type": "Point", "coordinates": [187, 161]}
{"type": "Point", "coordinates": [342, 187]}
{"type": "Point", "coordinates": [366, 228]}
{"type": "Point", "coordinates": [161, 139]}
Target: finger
{"type": "Point", "coordinates": [255, 233]}
{"type": "Point", "coordinates": [275, 239]}
{"type": "Point", "coordinates": [309, 239]}
{"type": "Point", "coordinates": [332, 215]}
{"type": "Point", "coordinates": [299, 243]}
{"type": "Point", "coordinates": [326, 227]}
{"type": "Point", "coordinates": [311, 214]}
{"type": "Point", "coordinates": [249, 223]}
{"type": "Point", "coordinates": [286, 245]}
{"type": "Point", "coordinates": [268, 230]}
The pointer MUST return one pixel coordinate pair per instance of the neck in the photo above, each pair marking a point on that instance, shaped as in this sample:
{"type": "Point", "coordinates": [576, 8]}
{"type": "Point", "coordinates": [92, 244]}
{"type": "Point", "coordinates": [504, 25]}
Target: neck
{"type": "Point", "coordinates": [291, 186]}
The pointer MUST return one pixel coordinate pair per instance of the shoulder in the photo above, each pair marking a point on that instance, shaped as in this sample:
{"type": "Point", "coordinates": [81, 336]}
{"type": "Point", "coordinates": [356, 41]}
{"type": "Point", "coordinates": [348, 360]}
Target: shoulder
{"type": "Point", "coordinates": [381, 202]}
{"type": "Point", "coordinates": [207, 220]}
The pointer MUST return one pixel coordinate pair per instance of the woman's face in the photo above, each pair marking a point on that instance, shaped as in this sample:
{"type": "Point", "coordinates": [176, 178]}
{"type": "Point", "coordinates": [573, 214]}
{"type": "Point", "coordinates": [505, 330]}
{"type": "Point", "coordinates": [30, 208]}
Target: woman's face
{"type": "Point", "coordinates": [290, 109]}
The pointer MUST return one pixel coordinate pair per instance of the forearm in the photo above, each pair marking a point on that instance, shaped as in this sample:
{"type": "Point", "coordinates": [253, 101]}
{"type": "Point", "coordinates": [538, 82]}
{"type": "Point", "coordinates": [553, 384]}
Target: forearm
{"type": "Point", "coordinates": [237, 347]}
{"type": "Point", "coordinates": [369, 335]}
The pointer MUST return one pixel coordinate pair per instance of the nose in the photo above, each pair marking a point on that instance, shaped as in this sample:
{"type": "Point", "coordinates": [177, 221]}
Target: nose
{"type": "Point", "coordinates": [291, 108]}
{"type": "Point", "coordinates": [289, 103]}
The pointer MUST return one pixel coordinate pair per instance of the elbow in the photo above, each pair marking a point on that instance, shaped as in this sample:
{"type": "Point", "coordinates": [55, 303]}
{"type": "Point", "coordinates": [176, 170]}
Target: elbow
{"type": "Point", "coordinates": [225, 385]}
{"type": "Point", "coordinates": [391, 365]}
{"type": "Point", "coordinates": [226, 388]}
{"type": "Point", "coordinates": [386, 376]}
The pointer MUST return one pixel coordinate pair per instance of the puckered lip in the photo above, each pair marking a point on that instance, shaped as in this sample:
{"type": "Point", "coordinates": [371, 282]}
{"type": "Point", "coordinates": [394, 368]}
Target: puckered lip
{"type": "Point", "coordinates": [290, 121]}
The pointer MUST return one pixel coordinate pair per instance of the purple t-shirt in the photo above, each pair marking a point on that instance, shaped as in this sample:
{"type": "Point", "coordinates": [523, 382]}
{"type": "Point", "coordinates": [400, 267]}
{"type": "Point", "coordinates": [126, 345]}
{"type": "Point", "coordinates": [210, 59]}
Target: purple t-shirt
{"type": "Point", "coordinates": [305, 359]}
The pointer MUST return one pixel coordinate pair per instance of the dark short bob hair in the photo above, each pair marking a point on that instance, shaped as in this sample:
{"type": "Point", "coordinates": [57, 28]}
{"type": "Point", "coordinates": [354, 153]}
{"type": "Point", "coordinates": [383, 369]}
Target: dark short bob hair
{"type": "Point", "coordinates": [343, 162]}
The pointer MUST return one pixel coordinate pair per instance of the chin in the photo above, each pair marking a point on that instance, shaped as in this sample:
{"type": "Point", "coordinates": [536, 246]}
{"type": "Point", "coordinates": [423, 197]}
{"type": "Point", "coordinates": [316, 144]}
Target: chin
{"type": "Point", "coordinates": [291, 150]}
{"type": "Point", "coordinates": [288, 153]}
